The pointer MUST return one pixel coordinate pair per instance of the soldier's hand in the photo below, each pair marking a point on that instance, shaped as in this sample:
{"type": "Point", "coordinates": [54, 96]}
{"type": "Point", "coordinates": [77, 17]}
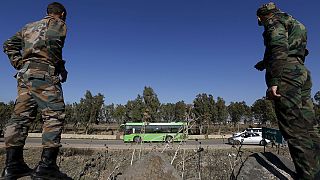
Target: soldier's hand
{"type": "Point", "coordinates": [272, 93]}
{"type": "Point", "coordinates": [63, 76]}
{"type": "Point", "coordinates": [260, 66]}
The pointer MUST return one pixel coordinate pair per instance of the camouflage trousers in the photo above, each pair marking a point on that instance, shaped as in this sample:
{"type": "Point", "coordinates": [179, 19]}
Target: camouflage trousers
{"type": "Point", "coordinates": [38, 87]}
{"type": "Point", "coordinates": [297, 120]}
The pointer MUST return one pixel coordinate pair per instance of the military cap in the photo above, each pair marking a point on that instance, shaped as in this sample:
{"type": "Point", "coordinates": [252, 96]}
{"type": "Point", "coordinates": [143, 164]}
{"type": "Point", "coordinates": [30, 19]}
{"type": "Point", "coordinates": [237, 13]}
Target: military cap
{"type": "Point", "coordinates": [266, 9]}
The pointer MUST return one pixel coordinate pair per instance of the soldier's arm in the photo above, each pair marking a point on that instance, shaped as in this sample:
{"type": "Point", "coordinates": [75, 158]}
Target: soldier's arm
{"type": "Point", "coordinates": [261, 65]}
{"type": "Point", "coordinates": [278, 47]}
{"type": "Point", "coordinates": [56, 35]}
{"type": "Point", "coordinates": [12, 47]}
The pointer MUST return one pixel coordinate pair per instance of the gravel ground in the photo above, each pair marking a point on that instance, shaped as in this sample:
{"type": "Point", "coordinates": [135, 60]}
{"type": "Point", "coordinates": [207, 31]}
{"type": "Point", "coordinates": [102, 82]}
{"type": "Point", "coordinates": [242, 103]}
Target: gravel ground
{"type": "Point", "coordinates": [87, 164]}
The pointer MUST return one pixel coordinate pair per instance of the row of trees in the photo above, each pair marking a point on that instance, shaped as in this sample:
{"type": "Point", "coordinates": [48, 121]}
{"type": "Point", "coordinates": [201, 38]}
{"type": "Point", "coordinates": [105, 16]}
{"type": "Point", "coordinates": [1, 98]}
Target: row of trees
{"type": "Point", "coordinates": [205, 111]}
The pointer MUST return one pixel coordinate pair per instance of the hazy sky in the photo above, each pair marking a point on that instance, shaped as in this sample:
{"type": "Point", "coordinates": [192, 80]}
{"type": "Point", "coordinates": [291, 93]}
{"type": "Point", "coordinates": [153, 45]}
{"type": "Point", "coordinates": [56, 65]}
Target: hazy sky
{"type": "Point", "coordinates": [178, 47]}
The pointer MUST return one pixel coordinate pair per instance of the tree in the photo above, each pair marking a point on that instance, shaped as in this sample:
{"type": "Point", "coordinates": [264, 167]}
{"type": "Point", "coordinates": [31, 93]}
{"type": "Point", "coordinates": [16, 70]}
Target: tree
{"type": "Point", "coordinates": [119, 114]}
{"type": "Point", "coordinates": [152, 103]}
{"type": "Point", "coordinates": [189, 112]}
{"type": "Point", "coordinates": [263, 111]}
{"type": "Point", "coordinates": [5, 113]}
{"type": "Point", "coordinates": [248, 116]}
{"type": "Point", "coordinates": [135, 110]}
{"type": "Point", "coordinates": [222, 112]}
{"type": "Point", "coordinates": [83, 109]}
{"type": "Point", "coordinates": [89, 110]}
{"type": "Point", "coordinates": [2, 115]}
{"type": "Point", "coordinates": [212, 109]}
{"type": "Point", "coordinates": [108, 113]}
{"type": "Point", "coordinates": [204, 110]}
{"type": "Point", "coordinates": [72, 116]}
{"type": "Point", "coordinates": [69, 110]}
{"type": "Point", "coordinates": [180, 111]}
{"type": "Point", "coordinates": [96, 111]}
{"type": "Point", "coordinates": [237, 111]}
{"type": "Point", "coordinates": [167, 112]}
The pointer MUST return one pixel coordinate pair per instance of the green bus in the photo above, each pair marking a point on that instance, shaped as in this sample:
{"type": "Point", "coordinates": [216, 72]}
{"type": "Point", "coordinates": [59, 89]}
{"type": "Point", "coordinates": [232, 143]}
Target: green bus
{"type": "Point", "coordinates": [155, 132]}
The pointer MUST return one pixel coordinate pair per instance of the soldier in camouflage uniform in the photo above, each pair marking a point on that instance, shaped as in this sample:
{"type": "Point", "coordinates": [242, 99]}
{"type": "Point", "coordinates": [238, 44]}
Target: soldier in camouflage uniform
{"type": "Point", "coordinates": [289, 85]}
{"type": "Point", "coordinates": [36, 53]}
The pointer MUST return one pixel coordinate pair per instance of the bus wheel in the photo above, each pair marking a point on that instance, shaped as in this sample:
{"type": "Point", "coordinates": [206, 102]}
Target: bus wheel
{"type": "Point", "coordinates": [137, 139]}
{"type": "Point", "coordinates": [168, 139]}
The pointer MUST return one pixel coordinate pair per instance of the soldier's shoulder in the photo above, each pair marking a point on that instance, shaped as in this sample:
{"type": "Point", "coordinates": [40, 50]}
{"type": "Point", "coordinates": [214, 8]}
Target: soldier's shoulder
{"type": "Point", "coordinates": [293, 22]}
{"type": "Point", "coordinates": [277, 21]}
{"type": "Point", "coordinates": [31, 24]}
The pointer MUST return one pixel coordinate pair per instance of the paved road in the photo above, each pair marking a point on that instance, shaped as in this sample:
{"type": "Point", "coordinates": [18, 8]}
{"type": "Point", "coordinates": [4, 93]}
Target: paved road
{"type": "Point", "coordinates": [119, 144]}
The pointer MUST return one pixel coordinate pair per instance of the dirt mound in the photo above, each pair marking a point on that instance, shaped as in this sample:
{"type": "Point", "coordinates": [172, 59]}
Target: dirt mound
{"type": "Point", "coordinates": [152, 166]}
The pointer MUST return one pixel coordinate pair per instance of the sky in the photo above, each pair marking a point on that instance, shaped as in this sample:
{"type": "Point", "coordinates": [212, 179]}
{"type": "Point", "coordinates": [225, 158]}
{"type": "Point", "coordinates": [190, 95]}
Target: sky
{"type": "Point", "coordinates": [180, 48]}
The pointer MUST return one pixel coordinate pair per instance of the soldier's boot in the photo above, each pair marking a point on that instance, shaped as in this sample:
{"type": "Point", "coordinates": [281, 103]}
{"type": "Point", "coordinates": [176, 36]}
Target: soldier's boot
{"type": "Point", "coordinates": [15, 167]}
{"type": "Point", "coordinates": [47, 168]}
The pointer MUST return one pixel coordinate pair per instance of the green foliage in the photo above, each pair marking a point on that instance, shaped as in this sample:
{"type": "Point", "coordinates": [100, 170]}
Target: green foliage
{"type": "Point", "coordinates": [88, 111]}
{"type": "Point", "coordinates": [152, 103]}
{"type": "Point", "coordinates": [263, 111]}
{"type": "Point", "coordinates": [237, 111]}
{"type": "Point", "coordinates": [204, 110]}
{"type": "Point", "coordinates": [69, 114]}
{"type": "Point", "coordinates": [5, 113]}
{"type": "Point", "coordinates": [167, 112]}
{"type": "Point", "coordinates": [119, 114]}
{"type": "Point", "coordinates": [204, 107]}
{"type": "Point", "coordinates": [108, 113]}
{"type": "Point", "coordinates": [248, 116]}
{"type": "Point", "coordinates": [135, 109]}
{"type": "Point", "coordinates": [222, 111]}
{"type": "Point", "coordinates": [173, 112]}
{"type": "Point", "coordinates": [180, 111]}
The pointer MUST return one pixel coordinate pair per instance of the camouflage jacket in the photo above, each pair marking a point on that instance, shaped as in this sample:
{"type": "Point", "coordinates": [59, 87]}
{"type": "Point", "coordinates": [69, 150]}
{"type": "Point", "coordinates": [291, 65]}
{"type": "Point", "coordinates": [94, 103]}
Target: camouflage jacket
{"type": "Point", "coordinates": [284, 36]}
{"type": "Point", "coordinates": [41, 41]}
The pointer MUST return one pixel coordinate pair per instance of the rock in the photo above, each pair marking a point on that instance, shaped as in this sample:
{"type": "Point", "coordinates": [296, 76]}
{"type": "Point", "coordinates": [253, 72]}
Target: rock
{"type": "Point", "coordinates": [153, 166]}
{"type": "Point", "coordinates": [266, 166]}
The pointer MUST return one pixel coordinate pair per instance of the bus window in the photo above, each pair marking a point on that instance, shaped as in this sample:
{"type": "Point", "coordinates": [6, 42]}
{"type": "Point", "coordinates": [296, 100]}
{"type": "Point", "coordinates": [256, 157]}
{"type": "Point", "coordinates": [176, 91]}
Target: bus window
{"type": "Point", "coordinates": [164, 129]}
{"type": "Point", "coordinates": [132, 129]}
{"type": "Point", "coordinates": [175, 129]}
{"type": "Point", "coordinates": [149, 129]}
{"type": "Point", "coordinates": [128, 130]}
{"type": "Point", "coordinates": [153, 129]}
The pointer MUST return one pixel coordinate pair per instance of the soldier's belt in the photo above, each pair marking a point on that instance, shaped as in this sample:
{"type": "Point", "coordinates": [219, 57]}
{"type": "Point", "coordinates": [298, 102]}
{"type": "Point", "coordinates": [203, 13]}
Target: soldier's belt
{"type": "Point", "coordinates": [41, 67]}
